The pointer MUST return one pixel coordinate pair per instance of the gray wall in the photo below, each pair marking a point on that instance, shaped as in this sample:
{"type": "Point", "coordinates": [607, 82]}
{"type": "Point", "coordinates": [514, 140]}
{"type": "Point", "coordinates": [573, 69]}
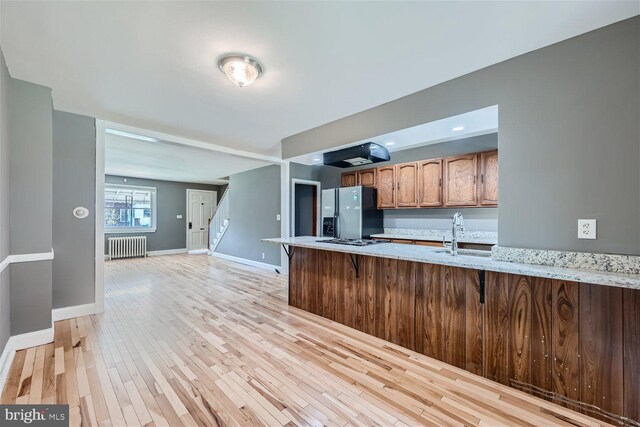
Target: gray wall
{"type": "Point", "coordinates": [5, 294]}
{"type": "Point", "coordinates": [171, 201]}
{"type": "Point", "coordinates": [569, 137]}
{"type": "Point", "coordinates": [254, 202]}
{"type": "Point", "coordinates": [30, 135]}
{"type": "Point", "coordinates": [74, 184]}
{"type": "Point", "coordinates": [483, 219]}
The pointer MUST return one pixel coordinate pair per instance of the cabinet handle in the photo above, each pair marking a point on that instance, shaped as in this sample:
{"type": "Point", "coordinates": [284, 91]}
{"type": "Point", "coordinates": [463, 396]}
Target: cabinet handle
{"type": "Point", "coordinates": [482, 178]}
{"type": "Point", "coordinates": [440, 182]}
{"type": "Point", "coordinates": [475, 178]}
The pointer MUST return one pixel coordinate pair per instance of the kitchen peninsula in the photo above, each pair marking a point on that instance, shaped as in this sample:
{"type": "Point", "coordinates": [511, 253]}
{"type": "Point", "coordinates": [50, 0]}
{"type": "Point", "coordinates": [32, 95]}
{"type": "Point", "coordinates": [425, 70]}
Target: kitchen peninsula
{"type": "Point", "coordinates": [567, 335]}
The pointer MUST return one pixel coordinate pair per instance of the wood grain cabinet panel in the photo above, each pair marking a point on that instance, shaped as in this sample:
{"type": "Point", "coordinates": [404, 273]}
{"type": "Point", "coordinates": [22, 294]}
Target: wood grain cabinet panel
{"type": "Point", "coordinates": [367, 177]}
{"type": "Point", "coordinates": [386, 184]}
{"type": "Point", "coordinates": [459, 180]}
{"type": "Point", "coordinates": [349, 179]}
{"type": "Point", "coordinates": [430, 183]}
{"type": "Point", "coordinates": [575, 344]}
{"type": "Point", "coordinates": [488, 183]}
{"type": "Point", "coordinates": [407, 185]}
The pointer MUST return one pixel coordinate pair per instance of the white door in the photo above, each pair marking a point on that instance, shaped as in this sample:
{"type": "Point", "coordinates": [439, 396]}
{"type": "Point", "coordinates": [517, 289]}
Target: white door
{"type": "Point", "coordinates": [200, 207]}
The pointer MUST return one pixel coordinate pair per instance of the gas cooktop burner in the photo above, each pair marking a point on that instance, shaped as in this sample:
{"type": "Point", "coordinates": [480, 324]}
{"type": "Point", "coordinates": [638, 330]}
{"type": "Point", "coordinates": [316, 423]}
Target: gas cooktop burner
{"type": "Point", "coordinates": [353, 242]}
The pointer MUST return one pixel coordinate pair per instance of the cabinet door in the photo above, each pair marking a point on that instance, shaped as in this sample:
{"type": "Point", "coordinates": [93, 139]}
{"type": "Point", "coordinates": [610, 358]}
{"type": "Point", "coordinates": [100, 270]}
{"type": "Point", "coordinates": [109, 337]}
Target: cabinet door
{"type": "Point", "coordinates": [460, 174]}
{"type": "Point", "coordinates": [386, 177]}
{"type": "Point", "coordinates": [407, 185]}
{"type": "Point", "coordinates": [367, 178]}
{"type": "Point", "coordinates": [430, 183]}
{"type": "Point", "coordinates": [488, 185]}
{"type": "Point", "coordinates": [349, 179]}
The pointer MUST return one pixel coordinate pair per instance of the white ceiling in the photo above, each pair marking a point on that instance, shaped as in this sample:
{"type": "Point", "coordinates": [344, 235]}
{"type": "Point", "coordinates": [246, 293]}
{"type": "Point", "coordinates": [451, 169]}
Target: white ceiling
{"type": "Point", "coordinates": [172, 162]}
{"type": "Point", "coordinates": [472, 123]}
{"type": "Point", "coordinates": [152, 64]}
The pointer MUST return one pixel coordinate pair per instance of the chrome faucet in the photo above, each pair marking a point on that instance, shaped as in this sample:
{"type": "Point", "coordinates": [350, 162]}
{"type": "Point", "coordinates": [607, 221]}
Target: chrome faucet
{"type": "Point", "coordinates": [458, 224]}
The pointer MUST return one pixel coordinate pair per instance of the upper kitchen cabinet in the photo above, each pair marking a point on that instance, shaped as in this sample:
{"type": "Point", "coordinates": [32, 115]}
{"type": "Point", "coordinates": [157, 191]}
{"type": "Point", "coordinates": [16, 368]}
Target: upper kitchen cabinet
{"type": "Point", "coordinates": [349, 179]}
{"type": "Point", "coordinates": [367, 177]}
{"type": "Point", "coordinates": [407, 185]}
{"type": "Point", "coordinates": [430, 183]}
{"type": "Point", "coordinates": [488, 185]}
{"type": "Point", "coordinates": [460, 181]}
{"type": "Point", "coordinates": [386, 184]}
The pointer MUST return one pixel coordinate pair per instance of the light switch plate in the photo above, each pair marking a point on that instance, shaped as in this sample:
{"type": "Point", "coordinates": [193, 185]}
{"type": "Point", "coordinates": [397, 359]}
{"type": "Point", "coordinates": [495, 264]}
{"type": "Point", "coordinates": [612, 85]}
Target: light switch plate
{"type": "Point", "coordinates": [278, 217]}
{"type": "Point", "coordinates": [179, 216]}
{"type": "Point", "coordinates": [587, 229]}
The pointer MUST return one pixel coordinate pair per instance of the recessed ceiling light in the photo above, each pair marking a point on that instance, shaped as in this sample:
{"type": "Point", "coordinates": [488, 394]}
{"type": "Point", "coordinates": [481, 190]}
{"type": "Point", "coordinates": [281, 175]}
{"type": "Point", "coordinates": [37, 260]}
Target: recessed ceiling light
{"type": "Point", "coordinates": [389, 143]}
{"type": "Point", "coordinates": [316, 159]}
{"type": "Point", "coordinates": [457, 128]}
{"type": "Point", "coordinates": [130, 135]}
{"type": "Point", "coordinates": [242, 70]}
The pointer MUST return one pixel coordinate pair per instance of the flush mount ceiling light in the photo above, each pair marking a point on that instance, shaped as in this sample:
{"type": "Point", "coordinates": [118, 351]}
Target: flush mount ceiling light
{"type": "Point", "coordinates": [242, 70]}
{"type": "Point", "coordinates": [458, 128]}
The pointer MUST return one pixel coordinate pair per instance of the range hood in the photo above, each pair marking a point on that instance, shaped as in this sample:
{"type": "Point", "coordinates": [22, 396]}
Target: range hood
{"type": "Point", "coordinates": [358, 155]}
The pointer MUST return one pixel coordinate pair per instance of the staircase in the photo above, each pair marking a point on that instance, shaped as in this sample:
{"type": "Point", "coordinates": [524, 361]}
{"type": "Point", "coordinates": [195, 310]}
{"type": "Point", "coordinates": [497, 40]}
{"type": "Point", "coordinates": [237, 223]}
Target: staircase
{"type": "Point", "coordinates": [219, 222]}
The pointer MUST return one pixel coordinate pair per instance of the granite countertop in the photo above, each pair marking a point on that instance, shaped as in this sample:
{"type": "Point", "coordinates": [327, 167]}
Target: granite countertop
{"type": "Point", "coordinates": [486, 238]}
{"type": "Point", "coordinates": [431, 255]}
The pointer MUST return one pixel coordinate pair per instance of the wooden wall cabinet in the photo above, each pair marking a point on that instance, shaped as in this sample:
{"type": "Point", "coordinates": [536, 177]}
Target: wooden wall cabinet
{"type": "Point", "coordinates": [470, 180]}
{"type": "Point", "coordinates": [460, 181]}
{"type": "Point", "coordinates": [488, 185]}
{"type": "Point", "coordinates": [367, 177]}
{"type": "Point", "coordinates": [430, 183]}
{"type": "Point", "coordinates": [386, 177]}
{"type": "Point", "coordinates": [407, 185]}
{"type": "Point", "coordinates": [349, 179]}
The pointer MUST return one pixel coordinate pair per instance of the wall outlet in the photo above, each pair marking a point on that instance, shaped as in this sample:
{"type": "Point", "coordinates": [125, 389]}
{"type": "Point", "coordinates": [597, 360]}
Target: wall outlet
{"type": "Point", "coordinates": [587, 229]}
{"type": "Point", "coordinates": [278, 217]}
{"type": "Point", "coordinates": [262, 255]}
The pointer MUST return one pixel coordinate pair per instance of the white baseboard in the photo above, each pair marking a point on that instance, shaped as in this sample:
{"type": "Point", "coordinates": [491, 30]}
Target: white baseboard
{"type": "Point", "coordinates": [245, 261]}
{"type": "Point", "coordinates": [73, 311]}
{"type": "Point", "coordinates": [198, 251]}
{"type": "Point", "coordinates": [19, 342]}
{"type": "Point", "coordinates": [6, 359]}
{"type": "Point", "coordinates": [167, 252]}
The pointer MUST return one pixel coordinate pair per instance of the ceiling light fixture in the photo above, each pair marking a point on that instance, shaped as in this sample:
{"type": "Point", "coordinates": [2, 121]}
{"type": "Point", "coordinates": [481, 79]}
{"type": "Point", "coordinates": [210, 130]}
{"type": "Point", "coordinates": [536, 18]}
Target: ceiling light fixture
{"type": "Point", "coordinates": [130, 135]}
{"type": "Point", "coordinates": [242, 70]}
{"type": "Point", "coordinates": [316, 160]}
{"type": "Point", "coordinates": [458, 128]}
{"type": "Point", "coordinates": [389, 143]}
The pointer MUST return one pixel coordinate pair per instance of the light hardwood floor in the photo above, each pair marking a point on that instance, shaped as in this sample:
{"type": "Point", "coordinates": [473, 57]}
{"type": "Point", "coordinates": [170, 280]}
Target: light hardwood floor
{"type": "Point", "coordinates": [193, 340]}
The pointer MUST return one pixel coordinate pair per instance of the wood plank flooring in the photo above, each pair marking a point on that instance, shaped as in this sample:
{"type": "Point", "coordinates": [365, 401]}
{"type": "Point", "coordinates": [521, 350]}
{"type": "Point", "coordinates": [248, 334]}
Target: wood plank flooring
{"type": "Point", "coordinates": [194, 340]}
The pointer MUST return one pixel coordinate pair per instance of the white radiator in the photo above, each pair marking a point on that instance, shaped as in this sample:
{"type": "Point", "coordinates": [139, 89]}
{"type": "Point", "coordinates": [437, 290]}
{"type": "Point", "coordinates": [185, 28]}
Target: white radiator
{"type": "Point", "coordinates": [127, 247]}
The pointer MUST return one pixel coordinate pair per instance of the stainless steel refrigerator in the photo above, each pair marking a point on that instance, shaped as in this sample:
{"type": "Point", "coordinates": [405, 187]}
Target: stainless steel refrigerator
{"type": "Point", "coordinates": [350, 213]}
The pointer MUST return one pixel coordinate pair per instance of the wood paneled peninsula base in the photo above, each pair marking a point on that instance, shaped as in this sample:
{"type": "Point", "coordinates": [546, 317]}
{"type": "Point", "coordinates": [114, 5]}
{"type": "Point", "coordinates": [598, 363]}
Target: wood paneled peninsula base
{"type": "Point", "coordinates": [575, 344]}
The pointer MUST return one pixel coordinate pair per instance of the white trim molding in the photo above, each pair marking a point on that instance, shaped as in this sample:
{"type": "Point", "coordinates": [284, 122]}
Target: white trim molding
{"type": "Point", "coordinates": [167, 252]}
{"type": "Point", "coordinates": [65, 313]}
{"type": "Point", "coordinates": [19, 342]}
{"type": "Point", "coordinates": [198, 251]}
{"type": "Point", "coordinates": [18, 258]}
{"type": "Point", "coordinates": [245, 261]}
{"type": "Point", "coordinates": [99, 210]}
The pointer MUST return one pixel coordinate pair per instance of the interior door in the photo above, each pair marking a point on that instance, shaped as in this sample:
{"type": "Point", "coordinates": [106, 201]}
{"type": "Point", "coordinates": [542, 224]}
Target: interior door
{"type": "Point", "coordinates": [200, 207]}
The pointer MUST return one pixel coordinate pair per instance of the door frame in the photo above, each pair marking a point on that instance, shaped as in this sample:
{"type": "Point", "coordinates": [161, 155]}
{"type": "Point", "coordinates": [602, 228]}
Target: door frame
{"type": "Point", "coordinates": [318, 186]}
{"type": "Point", "coordinates": [186, 222]}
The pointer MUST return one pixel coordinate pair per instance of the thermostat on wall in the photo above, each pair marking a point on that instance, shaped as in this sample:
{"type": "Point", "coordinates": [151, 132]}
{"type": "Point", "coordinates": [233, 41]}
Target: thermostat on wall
{"type": "Point", "coordinates": [81, 212]}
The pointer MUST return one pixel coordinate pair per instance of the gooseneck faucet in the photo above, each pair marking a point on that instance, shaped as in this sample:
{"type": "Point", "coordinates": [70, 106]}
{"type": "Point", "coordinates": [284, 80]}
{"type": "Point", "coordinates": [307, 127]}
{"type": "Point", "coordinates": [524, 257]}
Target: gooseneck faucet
{"type": "Point", "coordinates": [458, 224]}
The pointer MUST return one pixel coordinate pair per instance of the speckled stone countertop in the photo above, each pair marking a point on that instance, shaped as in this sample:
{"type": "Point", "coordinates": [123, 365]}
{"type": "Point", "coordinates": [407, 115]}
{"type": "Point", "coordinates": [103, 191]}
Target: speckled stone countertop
{"type": "Point", "coordinates": [477, 237]}
{"type": "Point", "coordinates": [431, 255]}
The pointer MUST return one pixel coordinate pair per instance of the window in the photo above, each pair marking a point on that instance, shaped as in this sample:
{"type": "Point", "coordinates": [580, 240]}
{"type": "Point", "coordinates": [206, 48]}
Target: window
{"type": "Point", "coordinates": [129, 209]}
